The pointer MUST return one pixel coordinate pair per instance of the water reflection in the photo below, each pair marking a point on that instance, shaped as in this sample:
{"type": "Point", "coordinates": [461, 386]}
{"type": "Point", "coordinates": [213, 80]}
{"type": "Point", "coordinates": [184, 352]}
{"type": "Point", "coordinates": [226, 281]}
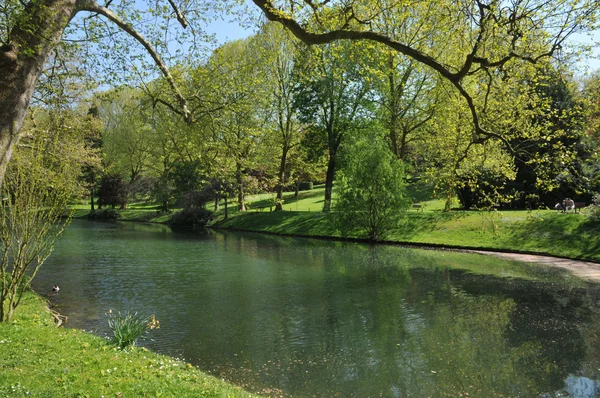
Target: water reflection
{"type": "Point", "coordinates": [314, 318]}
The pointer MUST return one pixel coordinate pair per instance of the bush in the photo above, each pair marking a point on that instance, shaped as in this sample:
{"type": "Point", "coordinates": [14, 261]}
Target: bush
{"type": "Point", "coordinates": [371, 191]}
{"type": "Point", "coordinates": [128, 328]}
{"type": "Point", "coordinates": [104, 214]}
{"type": "Point", "coordinates": [113, 191]}
{"type": "Point", "coordinates": [305, 186]}
{"type": "Point", "coordinates": [192, 217]}
{"type": "Point", "coordinates": [594, 213]}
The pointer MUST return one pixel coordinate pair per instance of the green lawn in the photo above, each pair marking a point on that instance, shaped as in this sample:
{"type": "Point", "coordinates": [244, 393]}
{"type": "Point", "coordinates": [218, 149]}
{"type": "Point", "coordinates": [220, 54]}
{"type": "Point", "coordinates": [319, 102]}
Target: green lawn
{"type": "Point", "coordinates": [540, 231]}
{"type": "Point", "coordinates": [37, 359]}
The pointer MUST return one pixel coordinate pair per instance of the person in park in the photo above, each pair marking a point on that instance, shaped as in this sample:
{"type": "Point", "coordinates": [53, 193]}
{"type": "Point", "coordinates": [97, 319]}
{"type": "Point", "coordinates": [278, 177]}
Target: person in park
{"type": "Point", "coordinates": [568, 204]}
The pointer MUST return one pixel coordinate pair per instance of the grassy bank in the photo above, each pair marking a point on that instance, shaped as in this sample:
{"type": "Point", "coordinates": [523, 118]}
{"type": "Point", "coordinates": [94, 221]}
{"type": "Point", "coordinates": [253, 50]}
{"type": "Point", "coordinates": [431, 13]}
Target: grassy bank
{"type": "Point", "coordinates": [37, 359]}
{"type": "Point", "coordinates": [543, 232]}
{"type": "Point", "coordinates": [539, 231]}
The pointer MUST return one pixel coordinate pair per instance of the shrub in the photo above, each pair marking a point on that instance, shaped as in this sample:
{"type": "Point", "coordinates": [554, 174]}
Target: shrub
{"type": "Point", "coordinates": [305, 186]}
{"type": "Point", "coordinates": [192, 217]}
{"type": "Point", "coordinates": [594, 213]}
{"type": "Point", "coordinates": [128, 328]}
{"type": "Point", "coordinates": [113, 191]}
{"type": "Point", "coordinates": [371, 192]}
{"type": "Point", "coordinates": [104, 214]}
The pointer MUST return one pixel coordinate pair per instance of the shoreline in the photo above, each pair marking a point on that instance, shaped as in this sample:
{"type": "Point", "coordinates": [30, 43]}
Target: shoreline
{"type": "Point", "coordinates": [40, 358]}
{"type": "Point", "coordinates": [581, 266]}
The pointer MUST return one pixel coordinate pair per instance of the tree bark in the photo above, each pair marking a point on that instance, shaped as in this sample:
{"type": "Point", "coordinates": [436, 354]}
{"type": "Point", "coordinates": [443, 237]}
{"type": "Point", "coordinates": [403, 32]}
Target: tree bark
{"type": "Point", "coordinates": [240, 184]}
{"type": "Point", "coordinates": [329, 182]}
{"type": "Point", "coordinates": [282, 164]}
{"type": "Point", "coordinates": [21, 63]}
{"type": "Point", "coordinates": [92, 198]}
{"type": "Point", "coordinates": [32, 41]}
{"type": "Point", "coordinates": [394, 134]}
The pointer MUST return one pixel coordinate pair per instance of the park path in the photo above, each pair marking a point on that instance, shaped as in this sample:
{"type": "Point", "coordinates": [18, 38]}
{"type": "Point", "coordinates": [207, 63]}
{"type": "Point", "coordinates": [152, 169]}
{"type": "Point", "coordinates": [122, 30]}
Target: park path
{"type": "Point", "coordinates": [582, 269]}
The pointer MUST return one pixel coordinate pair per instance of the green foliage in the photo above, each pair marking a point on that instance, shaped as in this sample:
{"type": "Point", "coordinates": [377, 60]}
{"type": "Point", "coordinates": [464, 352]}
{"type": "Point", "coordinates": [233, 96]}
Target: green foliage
{"type": "Point", "coordinates": [107, 214]}
{"type": "Point", "coordinates": [127, 137]}
{"type": "Point", "coordinates": [113, 191]}
{"type": "Point", "coordinates": [371, 191]}
{"type": "Point", "coordinates": [186, 177]}
{"type": "Point", "coordinates": [594, 212]}
{"type": "Point", "coordinates": [128, 328]}
{"type": "Point", "coordinates": [305, 186]}
{"type": "Point", "coordinates": [32, 215]}
{"type": "Point", "coordinates": [192, 217]}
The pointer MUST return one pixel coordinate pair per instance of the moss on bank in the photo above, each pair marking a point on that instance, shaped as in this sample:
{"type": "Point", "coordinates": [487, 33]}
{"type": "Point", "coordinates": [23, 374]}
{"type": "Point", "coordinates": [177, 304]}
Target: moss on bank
{"type": "Point", "coordinates": [37, 359]}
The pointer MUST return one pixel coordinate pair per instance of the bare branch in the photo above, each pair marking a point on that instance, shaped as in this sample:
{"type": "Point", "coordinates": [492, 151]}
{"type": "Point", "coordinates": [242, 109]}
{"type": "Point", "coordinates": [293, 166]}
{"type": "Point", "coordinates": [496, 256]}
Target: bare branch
{"type": "Point", "coordinates": [179, 14]}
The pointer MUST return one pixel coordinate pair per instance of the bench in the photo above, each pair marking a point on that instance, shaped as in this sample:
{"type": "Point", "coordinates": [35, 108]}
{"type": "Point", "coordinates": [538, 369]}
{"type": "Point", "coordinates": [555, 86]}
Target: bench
{"type": "Point", "coordinates": [579, 206]}
{"type": "Point", "coordinates": [417, 206]}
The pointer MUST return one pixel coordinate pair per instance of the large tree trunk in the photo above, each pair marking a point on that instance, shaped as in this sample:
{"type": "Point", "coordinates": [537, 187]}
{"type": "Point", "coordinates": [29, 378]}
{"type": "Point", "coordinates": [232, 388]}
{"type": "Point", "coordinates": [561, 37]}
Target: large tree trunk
{"type": "Point", "coordinates": [240, 184]}
{"type": "Point", "coordinates": [393, 97]}
{"type": "Point", "coordinates": [329, 182]}
{"type": "Point", "coordinates": [403, 150]}
{"type": "Point", "coordinates": [92, 198]}
{"type": "Point", "coordinates": [21, 63]}
{"type": "Point", "coordinates": [279, 199]}
{"type": "Point", "coordinates": [394, 134]}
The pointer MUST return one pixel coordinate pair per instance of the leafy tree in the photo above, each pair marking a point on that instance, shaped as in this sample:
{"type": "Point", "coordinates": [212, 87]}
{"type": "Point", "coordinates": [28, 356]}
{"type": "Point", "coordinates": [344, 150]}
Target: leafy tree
{"type": "Point", "coordinates": [169, 134]}
{"type": "Point", "coordinates": [280, 52]}
{"type": "Point", "coordinates": [126, 135]}
{"type": "Point", "coordinates": [371, 191]}
{"type": "Point", "coordinates": [239, 126]}
{"type": "Point", "coordinates": [186, 178]}
{"type": "Point", "coordinates": [591, 100]}
{"type": "Point", "coordinates": [31, 218]}
{"type": "Point", "coordinates": [113, 191]}
{"type": "Point", "coordinates": [30, 32]}
{"type": "Point", "coordinates": [407, 104]}
{"type": "Point", "coordinates": [331, 99]}
{"type": "Point", "coordinates": [550, 165]}
{"type": "Point", "coordinates": [489, 39]}
{"type": "Point", "coordinates": [40, 181]}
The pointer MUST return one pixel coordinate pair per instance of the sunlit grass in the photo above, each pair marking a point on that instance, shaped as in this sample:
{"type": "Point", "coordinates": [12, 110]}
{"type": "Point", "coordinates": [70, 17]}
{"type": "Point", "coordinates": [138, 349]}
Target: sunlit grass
{"type": "Point", "coordinates": [37, 359]}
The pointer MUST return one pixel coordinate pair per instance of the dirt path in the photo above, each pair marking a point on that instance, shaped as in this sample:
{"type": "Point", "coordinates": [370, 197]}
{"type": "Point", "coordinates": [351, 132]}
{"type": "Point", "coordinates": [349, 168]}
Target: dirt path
{"type": "Point", "coordinates": [582, 269]}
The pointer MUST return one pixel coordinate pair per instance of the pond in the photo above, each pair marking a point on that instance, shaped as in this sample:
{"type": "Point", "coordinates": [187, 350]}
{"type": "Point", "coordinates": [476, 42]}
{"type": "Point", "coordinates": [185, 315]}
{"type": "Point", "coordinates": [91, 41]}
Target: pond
{"type": "Point", "coordinates": [301, 317]}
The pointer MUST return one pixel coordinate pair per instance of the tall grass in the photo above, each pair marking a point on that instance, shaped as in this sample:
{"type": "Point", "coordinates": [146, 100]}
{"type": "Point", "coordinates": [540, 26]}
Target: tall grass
{"type": "Point", "coordinates": [128, 328]}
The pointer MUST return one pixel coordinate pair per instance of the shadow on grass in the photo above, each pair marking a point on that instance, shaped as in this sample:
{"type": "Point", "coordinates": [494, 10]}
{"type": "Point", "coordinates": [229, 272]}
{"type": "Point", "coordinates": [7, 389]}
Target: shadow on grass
{"type": "Point", "coordinates": [288, 198]}
{"type": "Point", "coordinates": [561, 234]}
{"type": "Point", "coordinates": [418, 223]}
{"type": "Point", "coordinates": [284, 222]}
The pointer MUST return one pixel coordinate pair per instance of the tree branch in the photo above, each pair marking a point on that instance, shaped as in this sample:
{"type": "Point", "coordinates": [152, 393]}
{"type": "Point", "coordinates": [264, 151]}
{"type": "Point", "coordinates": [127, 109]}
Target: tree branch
{"type": "Point", "coordinates": [179, 14]}
{"type": "Point", "coordinates": [92, 6]}
{"type": "Point", "coordinates": [276, 15]}
{"type": "Point", "coordinates": [273, 14]}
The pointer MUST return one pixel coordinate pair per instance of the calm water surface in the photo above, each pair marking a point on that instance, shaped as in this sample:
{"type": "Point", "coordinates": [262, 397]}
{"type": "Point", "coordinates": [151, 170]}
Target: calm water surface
{"type": "Point", "coordinates": [299, 317]}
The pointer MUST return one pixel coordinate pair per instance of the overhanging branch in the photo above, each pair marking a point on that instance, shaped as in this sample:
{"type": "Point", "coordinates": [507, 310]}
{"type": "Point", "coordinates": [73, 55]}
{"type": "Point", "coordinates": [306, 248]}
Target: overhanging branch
{"type": "Point", "coordinates": [273, 14]}
{"type": "Point", "coordinates": [92, 6]}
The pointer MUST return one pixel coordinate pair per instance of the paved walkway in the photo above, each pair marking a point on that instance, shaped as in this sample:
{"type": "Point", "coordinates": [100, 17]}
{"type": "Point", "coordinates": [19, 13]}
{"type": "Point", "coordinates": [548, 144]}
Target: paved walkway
{"type": "Point", "coordinates": [582, 269]}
